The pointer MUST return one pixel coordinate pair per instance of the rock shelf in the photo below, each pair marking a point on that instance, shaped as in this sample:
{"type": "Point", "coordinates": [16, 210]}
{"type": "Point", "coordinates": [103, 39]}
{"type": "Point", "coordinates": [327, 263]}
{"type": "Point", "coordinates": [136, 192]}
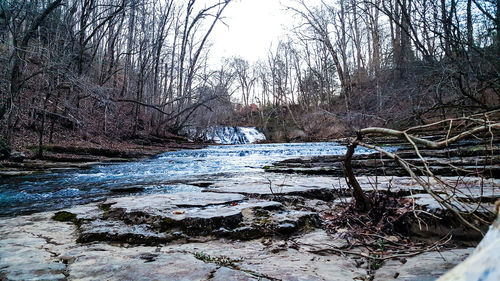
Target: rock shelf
{"type": "Point", "coordinates": [37, 248]}
{"type": "Point", "coordinates": [441, 162]}
{"type": "Point", "coordinates": [160, 218]}
{"type": "Point", "coordinates": [239, 228]}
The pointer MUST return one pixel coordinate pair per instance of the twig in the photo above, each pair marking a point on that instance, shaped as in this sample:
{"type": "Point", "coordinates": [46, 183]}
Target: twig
{"type": "Point", "coordinates": [411, 254]}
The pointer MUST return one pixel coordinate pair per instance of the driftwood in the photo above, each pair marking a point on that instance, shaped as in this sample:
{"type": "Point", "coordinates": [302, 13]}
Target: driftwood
{"type": "Point", "coordinates": [457, 129]}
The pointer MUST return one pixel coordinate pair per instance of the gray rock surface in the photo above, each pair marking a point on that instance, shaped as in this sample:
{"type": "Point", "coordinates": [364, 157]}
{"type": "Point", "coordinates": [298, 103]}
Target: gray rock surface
{"type": "Point", "coordinates": [104, 262]}
{"type": "Point", "coordinates": [224, 274]}
{"type": "Point", "coordinates": [36, 247]}
{"type": "Point", "coordinates": [439, 161]}
{"type": "Point", "coordinates": [470, 188]}
{"type": "Point", "coordinates": [483, 263]}
{"type": "Point", "coordinates": [424, 267]}
{"type": "Point", "coordinates": [27, 248]}
{"type": "Point", "coordinates": [160, 218]}
{"type": "Point", "coordinates": [319, 239]}
{"type": "Point", "coordinates": [205, 236]}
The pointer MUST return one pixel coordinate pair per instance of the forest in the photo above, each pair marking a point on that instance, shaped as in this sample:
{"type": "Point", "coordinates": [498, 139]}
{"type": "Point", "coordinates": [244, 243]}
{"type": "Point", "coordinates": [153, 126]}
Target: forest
{"type": "Point", "coordinates": [363, 145]}
{"type": "Point", "coordinates": [118, 69]}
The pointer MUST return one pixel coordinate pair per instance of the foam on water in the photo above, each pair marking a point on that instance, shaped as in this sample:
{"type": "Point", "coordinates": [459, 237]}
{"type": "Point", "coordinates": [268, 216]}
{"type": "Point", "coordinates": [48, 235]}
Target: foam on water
{"type": "Point", "coordinates": [228, 135]}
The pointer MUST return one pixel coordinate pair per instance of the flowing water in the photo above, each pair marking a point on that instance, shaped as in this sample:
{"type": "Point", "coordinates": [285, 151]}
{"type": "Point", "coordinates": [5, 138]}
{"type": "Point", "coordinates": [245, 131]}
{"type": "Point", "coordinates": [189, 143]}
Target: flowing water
{"type": "Point", "coordinates": [165, 173]}
{"type": "Point", "coordinates": [226, 134]}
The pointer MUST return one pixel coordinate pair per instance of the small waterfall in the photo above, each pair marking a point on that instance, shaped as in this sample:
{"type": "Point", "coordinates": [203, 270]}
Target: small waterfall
{"type": "Point", "coordinates": [229, 135]}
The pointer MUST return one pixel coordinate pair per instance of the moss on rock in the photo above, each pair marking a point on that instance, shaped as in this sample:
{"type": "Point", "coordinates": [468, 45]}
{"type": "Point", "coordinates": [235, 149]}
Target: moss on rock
{"type": "Point", "coordinates": [64, 217]}
{"type": "Point", "coordinates": [104, 207]}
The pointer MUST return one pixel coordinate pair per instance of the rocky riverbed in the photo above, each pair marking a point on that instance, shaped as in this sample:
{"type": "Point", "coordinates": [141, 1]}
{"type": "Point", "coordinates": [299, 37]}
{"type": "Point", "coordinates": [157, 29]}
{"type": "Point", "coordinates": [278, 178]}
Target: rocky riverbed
{"type": "Point", "coordinates": [235, 229]}
{"type": "Point", "coordinates": [467, 160]}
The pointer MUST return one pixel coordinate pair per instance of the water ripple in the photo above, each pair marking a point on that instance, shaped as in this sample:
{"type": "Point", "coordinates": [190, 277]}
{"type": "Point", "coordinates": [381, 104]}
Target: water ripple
{"type": "Point", "coordinates": [34, 193]}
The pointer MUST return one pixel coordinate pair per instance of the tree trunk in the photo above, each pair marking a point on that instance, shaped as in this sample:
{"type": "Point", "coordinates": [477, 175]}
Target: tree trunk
{"type": "Point", "coordinates": [128, 59]}
{"type": "Point", "coordinates": [363, 203]}
{"type": "Point", "coordinates": [470, 30]}
{"type": "Point", "coordinates": [19, 52]}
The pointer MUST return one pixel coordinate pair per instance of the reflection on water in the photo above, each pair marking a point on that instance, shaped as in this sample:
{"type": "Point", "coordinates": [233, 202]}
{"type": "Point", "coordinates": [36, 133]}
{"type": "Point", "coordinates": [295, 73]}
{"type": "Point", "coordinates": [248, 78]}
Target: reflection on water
{"type": "Point", "coordinates": [34, 193]}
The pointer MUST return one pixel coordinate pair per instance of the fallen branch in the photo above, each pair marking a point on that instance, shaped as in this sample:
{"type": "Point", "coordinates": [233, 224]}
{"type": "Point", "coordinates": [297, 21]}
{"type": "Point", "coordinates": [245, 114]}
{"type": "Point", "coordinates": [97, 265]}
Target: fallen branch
{"type": "Point", "coordinates": [446, 196]}
{"type": "Point", "coordinates": [375, 257]}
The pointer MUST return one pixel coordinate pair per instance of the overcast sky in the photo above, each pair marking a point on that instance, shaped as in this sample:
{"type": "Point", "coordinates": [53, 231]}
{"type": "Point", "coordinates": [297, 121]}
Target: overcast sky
{"type": "Point", "coordinates": [252, 26]}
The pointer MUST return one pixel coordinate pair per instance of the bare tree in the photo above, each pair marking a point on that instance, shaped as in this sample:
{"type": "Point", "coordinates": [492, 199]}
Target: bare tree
{"type": "Point", "coordinates": [21, 32]}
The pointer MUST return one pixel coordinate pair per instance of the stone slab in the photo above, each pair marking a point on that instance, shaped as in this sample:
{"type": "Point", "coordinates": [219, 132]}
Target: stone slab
{"type": "Point", "coordinates": [424, 267]}
{"type": "Point", "coordinates": [483, 262]}
{"type": "Point", "coordinates": [36, 247]}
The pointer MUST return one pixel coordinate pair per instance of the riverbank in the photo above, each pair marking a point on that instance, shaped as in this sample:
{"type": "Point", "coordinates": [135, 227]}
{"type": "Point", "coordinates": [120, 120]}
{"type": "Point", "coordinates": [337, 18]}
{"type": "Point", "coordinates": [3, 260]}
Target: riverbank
{"type": "Point", "coordinates": [235, 229]}
{"type": "Point", "coordinates": [73, 154]}
{"type": "Point", "coordinates": [243, 223]}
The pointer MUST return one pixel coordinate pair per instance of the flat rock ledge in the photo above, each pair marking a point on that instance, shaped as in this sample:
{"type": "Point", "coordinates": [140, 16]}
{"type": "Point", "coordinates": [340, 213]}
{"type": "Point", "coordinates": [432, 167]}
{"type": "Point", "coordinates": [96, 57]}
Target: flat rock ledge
{"type": "Point", "coordinates": [474, 195]}
{"type": "Point", "coordinates": [161, 218]}
{"type": "Point", "coordinates": [35, 247]}
{"type": "Point", "coordinates": [472, 159]}
{"type": "Point", "coordinates": [468, 189]}
{"type": "Point", "coordinates": [232, 231]}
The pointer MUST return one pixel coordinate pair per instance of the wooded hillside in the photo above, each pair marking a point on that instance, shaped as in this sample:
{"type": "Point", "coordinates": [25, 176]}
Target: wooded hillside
{"type": "Point", "coordinates": [122, 68]}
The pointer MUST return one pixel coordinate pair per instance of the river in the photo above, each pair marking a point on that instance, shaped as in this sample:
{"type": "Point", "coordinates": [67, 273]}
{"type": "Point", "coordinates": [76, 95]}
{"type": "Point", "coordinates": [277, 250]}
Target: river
{"type": "Point", "coordinates": [166, 173]}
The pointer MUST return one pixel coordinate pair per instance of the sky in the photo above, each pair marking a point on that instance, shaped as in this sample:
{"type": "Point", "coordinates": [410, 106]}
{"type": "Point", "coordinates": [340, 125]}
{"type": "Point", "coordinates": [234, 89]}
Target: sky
{"type": "Point", "coordinates": [251, 27]}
